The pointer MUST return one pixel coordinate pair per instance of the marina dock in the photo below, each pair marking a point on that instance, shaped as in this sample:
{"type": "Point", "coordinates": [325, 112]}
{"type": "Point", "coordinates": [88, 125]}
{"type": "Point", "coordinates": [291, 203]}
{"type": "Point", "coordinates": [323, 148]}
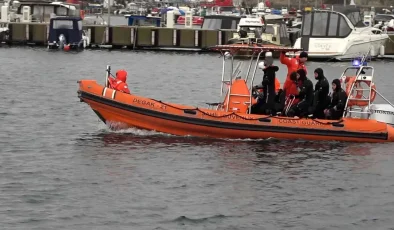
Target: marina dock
{"type": "Point", "coordinates": [126, 36]}
{"type": "Point", "coordinates": [123, 36]}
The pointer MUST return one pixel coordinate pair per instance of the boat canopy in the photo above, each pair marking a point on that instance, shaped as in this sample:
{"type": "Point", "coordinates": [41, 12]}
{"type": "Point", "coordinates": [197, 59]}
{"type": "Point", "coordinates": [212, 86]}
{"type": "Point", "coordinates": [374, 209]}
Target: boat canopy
{"type": "Point", "coordinates": [334, 24]}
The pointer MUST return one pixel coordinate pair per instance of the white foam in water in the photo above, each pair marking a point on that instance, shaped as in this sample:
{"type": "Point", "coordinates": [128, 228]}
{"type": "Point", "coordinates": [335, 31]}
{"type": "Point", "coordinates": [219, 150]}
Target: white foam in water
{"type": "Point", "coordinates": [118, 127]}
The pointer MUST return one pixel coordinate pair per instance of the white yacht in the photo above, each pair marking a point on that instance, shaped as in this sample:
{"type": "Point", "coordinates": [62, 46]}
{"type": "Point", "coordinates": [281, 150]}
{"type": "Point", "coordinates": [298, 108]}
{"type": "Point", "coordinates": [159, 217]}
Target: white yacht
{"type": "Point", "coordinates": [339, 34]}
{"type": "Point", "coordinates": [269, 30]}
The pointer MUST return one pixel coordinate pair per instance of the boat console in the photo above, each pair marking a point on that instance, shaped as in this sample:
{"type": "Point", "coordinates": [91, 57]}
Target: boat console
{"type": "Point", "coordinates": [240, 95]}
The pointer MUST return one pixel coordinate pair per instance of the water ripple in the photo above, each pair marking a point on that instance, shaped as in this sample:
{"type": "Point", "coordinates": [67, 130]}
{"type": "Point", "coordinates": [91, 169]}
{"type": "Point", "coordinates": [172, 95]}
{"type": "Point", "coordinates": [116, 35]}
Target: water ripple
{"type": "Point", "coordinates": [61, 168]}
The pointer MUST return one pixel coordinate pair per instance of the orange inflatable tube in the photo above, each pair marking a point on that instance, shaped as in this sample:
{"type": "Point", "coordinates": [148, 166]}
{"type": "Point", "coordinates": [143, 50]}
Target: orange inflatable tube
{"type": "Point", "coordinates": [144, 113]}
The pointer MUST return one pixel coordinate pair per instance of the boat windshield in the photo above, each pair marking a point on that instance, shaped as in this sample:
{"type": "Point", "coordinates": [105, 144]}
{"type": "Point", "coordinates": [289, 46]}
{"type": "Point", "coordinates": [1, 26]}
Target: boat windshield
{"type": "Point", "coordinates": [356, 19]}
{"type": "Point", "coordinates": [325, 24]}
{"type": "Point", "coordinates": [219, 23]}
{"type": "Point", "coordinates": [63, 24]}
{"type": "Point", "coordinates": [383, 17]}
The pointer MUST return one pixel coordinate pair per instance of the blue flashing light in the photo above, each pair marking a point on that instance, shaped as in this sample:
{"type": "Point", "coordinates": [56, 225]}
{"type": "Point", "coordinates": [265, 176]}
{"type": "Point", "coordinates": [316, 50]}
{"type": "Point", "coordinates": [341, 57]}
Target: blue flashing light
{"type": "Point", "coordinates": [357, 62]}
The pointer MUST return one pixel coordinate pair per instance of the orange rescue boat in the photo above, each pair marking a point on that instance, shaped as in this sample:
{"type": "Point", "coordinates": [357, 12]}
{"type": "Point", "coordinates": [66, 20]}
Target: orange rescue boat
{"type": "Point", "coordinates": [231, 118]}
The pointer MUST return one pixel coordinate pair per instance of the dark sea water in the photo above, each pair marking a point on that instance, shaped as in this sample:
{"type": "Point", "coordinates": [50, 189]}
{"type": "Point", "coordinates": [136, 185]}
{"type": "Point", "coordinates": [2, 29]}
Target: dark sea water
{"type": "Point", "coordinates": [61, 168]}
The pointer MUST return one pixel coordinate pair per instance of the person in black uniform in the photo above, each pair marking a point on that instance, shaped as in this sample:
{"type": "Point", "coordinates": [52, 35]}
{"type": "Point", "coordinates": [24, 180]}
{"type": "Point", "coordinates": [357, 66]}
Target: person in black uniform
{"type": "Point", "coordinates": [305, 95]}
{"type": "Point", "coordinates": [322, 88]}
{"type": "Point", "coordinates": [266, 102]}
{"type": "Point", "coordinates": [338, 101]}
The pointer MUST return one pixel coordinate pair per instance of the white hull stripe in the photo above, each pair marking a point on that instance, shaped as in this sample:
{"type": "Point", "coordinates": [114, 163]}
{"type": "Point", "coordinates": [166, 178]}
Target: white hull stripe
{"type": "Point", "coordinates": [105, 90]}
{"type": "Point", "coordinates": [113, 94]}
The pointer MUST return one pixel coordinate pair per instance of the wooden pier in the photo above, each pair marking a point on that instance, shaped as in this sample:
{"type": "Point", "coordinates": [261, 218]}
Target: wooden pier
{"type": "Point", "coordinates": [136, 37]}
{"type": "Point", "coordinates": [126, 36]}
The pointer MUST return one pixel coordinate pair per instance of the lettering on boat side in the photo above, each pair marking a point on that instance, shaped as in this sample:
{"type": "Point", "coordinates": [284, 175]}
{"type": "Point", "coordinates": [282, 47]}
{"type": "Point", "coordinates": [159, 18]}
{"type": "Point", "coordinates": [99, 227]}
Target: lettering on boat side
{"type": "Point", "coordinates": [210, 114]}
{"type": "Point", "coordinates": [163, 107]}
{"type": "Point", "coordinates": [299, 122]}
{"type": "Point", "coordinates": [143, 102]}
{"type": "Point", "coordinates": [383, 112]}
{"type": "Point", "coordinates": [323, 46]}
{"type": "Point", "coordinates": [240, 117]}
{"type": "Point", "coordinates": [232, 116]}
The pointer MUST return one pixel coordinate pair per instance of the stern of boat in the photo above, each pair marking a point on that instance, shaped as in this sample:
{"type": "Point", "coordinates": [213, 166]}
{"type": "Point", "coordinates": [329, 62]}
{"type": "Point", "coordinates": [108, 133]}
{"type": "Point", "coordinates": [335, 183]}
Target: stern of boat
{"type": "Point", "coordinates": [390, 133]}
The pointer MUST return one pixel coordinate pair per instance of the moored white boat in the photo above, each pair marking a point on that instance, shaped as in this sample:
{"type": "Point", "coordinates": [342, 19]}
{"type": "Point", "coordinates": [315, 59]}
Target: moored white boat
{"type": "Point", "coordinates": [260, 27]}
{"type": "Point", "coordinates": [339, 35]}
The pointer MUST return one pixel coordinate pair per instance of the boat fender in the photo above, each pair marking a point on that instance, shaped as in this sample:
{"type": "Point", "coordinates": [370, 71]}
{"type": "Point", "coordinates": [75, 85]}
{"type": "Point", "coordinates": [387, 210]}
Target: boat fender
{"type": "Point", "coordinates": [264, 119]}
{"type": "Point", "coordinates": [338, 124]}
{"type": "Point", "coordinates": [381, 50]}
{"type": "Point", "coordinates": [359, 93]}
{"type": "Point", "coordinates": [190, 111]}
{"type": "Point", "coordinates": [66, 48]}
{"type": "Point", "coordinates": [372, 52]}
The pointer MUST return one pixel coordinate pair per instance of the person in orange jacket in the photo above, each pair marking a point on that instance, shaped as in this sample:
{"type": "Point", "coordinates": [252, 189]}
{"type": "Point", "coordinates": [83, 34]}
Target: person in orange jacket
{"type": "Point", "coordinates": [119, 83]}
{"type": "Point", "coordinates": [291, 91]}
{"type": "Point", "coordinates": [293, 64]}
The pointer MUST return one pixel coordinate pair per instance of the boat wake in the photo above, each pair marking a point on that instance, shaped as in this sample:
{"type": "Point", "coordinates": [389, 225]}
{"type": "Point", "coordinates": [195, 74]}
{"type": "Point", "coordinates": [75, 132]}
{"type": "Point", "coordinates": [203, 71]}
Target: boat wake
{"type": "Point", "coordinates": [121, 128]}
{"type": "Point", "coordinates": [139, 132]}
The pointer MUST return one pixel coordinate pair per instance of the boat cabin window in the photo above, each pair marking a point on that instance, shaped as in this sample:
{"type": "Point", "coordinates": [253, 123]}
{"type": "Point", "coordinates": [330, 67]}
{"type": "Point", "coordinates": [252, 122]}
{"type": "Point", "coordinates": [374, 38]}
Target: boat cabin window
{"type": "Point", "coordinates": [356, 19]}
{"type": "Point", "coordinates": [325, 24]}
{"type": "Point", "coordinates": [333, 26]}
{"type": "Point", "coordinates": [344, 29]}
{"type": "Point", "coordinates": [376, 31]}
{"type": "Point", "coordinates": [320, 24]}
{"type": "Point", "coordinates": [383, 17]}
{"type": "Point", "coordinates": [218, 23]}
{"type": "Point", "coordinates": [283, 31]}
{"type": "Point", "coordinates": [63, 24]}
{"type": "Point", "coordinates": [143, 21]}
{"type": "Point", "coordinates": [306, 25]}
{"type": "Point", "coordinates": [269, 30]}
{"type": "Point", "coordinates": [61, 11]}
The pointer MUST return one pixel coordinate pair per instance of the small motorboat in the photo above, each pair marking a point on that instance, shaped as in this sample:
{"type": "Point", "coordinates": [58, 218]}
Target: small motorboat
{"type": "Point", "coordinates": [67, 33]}
{"type": "Point", "coordinates": [362, 120]}
{"type": "Point", "coordinates": [257, 27]}
{"type": "Point", "coordinates": [4, 34]}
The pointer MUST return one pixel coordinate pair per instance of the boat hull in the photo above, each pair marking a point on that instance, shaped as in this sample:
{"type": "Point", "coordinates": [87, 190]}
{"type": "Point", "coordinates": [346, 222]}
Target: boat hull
{"type": "Point", "coordinates": [125, 111]}
{"type": "Point", "coordinates": [4, 34]}
{"type": "Point", "coordinates": [342, 49]}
